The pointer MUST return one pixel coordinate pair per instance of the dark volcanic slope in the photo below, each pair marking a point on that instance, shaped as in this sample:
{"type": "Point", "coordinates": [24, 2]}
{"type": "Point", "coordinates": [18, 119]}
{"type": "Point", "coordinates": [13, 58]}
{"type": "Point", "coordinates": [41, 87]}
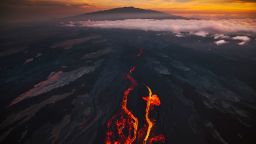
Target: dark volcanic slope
{"type": "Point", "coordinates": [124, 13]}
{"type": "Point", "coordinates": [71, 81]}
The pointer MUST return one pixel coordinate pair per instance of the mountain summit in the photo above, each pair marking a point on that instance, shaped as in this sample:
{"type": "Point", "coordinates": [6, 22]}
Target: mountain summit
{"type": "Point", "coordinates": [125, 13]}
{"type": "Point", "coordinates": [125, 10]}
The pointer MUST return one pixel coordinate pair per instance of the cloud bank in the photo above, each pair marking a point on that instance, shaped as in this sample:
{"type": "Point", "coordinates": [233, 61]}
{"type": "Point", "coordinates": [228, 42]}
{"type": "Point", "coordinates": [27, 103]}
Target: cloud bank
{"type": "Point", "coordinates": [199, 27]}
{"type": "Point", "coordinates": [220, 30]}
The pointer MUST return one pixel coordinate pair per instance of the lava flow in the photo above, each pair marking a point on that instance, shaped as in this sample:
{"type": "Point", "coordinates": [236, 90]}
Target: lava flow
{"type": "Point", "coordinates": [123, 127]}
{"type": "Point", "coordinates": [151, 100]}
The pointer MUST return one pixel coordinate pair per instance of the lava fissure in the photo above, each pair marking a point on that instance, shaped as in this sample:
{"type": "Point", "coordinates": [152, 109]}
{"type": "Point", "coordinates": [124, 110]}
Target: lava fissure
{"type": "Point", "coordinates": [126, 127]}
{"type": "Point", "coordinates": [134, 119]}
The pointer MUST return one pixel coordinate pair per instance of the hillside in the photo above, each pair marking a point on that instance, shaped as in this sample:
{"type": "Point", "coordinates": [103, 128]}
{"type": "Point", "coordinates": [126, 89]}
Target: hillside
{"type": "Point", "coordinates": [124, 13]}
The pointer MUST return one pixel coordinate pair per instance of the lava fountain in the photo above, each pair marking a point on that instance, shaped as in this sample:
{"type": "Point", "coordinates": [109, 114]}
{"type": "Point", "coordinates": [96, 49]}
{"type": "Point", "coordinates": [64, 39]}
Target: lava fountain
{"type": "Point", "coordinates": [123, 128]}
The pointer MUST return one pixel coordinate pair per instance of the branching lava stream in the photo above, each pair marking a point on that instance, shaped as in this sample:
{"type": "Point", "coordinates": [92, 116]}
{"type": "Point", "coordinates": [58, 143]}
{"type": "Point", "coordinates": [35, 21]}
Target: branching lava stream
{"type": "Point", "coordinates": [123, 127]}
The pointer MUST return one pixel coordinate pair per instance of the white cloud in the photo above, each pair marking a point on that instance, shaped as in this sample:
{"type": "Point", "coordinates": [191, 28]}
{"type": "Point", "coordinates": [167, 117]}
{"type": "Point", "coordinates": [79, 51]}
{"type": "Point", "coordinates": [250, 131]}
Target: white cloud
{"type": "Point", "coordinates": [179, 35]}
{"type": "Point", "coordinates": [221, 36]}
{"type": "Point", "coordinates": [200, 33]}
{"type": "Point", "coordinates": [198, 27]}
{"type": "Point", "coordinates": [243, 39]}
{"type": "Point", "coordinates": [221, 29]}
{"type": "Point", "coordinates": [220, 42]}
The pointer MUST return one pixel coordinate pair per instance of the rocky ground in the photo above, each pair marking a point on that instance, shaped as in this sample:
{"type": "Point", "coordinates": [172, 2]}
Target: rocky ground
{"type": "Point", "coordinates": [63, 86]}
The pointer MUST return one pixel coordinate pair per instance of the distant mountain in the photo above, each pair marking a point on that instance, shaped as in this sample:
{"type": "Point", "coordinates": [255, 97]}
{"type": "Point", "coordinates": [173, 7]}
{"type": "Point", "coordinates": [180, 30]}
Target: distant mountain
{"type": "Point", "coordinates": [125, 13]}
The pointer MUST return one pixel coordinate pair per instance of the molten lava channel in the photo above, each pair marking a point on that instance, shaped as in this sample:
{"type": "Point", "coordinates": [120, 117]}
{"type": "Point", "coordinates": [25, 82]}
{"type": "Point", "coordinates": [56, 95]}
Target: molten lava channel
{"type": "Point", "coordinates": [123, 127]}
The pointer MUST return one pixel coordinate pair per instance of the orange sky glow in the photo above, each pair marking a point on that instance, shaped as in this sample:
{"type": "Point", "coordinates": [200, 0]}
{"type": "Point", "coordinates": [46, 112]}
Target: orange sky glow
{"type": "Point", "coordinates": [178, 5]}
{"type": "Point", "coordinates": [43, 9]}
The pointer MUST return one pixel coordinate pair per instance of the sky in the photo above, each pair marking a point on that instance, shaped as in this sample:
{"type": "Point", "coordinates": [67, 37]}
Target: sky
{"type": "Point", "coordinates": [23, 10]}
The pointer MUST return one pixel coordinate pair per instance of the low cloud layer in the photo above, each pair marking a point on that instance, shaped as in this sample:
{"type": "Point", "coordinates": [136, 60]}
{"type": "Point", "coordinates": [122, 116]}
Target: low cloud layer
{"type": "Point", "coordinates": [200, 27]}
{"type": "Point", "coordinates": [219, 29]}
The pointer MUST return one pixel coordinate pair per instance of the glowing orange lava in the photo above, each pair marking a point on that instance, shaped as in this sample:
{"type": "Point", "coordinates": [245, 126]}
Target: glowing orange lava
{"type": "Point", "coordinates": [125, 129]}
{"type": "Point", "coordinates": [134, 120]}
{"type": "Point", "coordinates": [151, 100]}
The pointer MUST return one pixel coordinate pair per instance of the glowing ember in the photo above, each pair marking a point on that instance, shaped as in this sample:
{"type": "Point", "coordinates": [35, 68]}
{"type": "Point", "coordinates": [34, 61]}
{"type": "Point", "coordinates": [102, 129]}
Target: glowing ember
{"type": "Point", "coordinates": [125, 129]}
{"type": "Point", "coordinates": [159, 138]}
